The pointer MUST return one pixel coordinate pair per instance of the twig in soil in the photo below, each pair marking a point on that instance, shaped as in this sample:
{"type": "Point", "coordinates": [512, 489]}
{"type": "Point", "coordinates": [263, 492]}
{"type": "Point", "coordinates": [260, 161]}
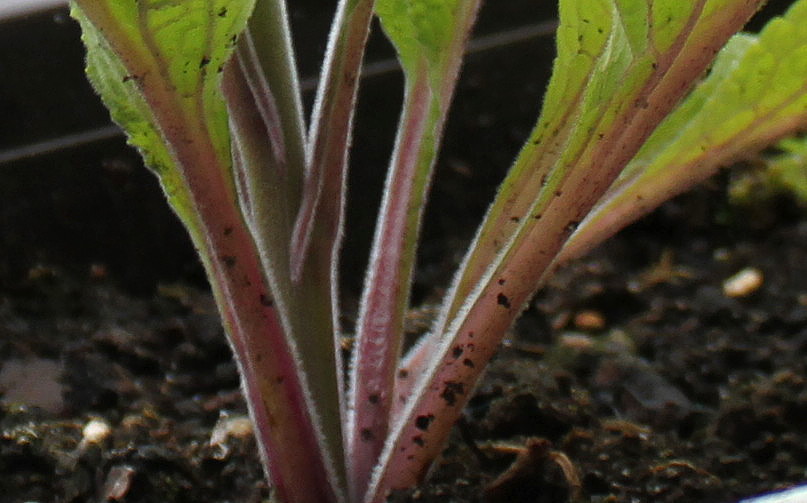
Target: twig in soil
{"type": "Point", "coordinates": [675, 467]}
{"type": "Point", "coordinates": [529, 460]}
{"type": "Point", "coordinates": [664, 271]}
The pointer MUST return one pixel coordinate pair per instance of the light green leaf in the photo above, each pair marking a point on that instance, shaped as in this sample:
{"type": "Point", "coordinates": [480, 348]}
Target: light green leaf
{"type": "Point", "coordinates": [420, 29]}
{"type": "Point", "coordinates": [789, 169]}
{"type": "Point", "coordinates": [755, 94]}
{"type": "Point", "coordinates": [164, 57]}
{"type": "Point", "coordinates": [129, 109]}
{"type": "Point", "coordinates": [781, 173]}
{"type": "Point", "coordinates": [621, 66]}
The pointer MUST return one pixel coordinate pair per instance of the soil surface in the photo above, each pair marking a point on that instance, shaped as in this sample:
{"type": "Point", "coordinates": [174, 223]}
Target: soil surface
{"type": "Point", "coordinates": [632, 377]}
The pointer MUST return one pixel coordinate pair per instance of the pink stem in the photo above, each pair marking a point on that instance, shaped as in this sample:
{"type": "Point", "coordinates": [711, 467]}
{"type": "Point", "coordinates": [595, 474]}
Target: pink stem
{"type": "Point", "coordinates": [323, 189]}
{"type": "Point", "coordinates": [385, 297]}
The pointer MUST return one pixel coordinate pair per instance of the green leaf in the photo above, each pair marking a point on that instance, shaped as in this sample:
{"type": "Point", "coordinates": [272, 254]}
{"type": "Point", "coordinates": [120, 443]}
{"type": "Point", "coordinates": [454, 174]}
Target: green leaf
{"type": "Point", "coordinates": [789, 169]}
{"type": "Point", "coordinates": [621, 68]}
{"type": "Point", "coordinates": [420, 29]}
{"type": "Point", "coordinates": [755, 94]}
{"type": "Point", "coordinates": [783, 172]}
{"type": "Point", "coordinates": [129, 110]}
{"type": "Point", "coordinates": [164, 57]}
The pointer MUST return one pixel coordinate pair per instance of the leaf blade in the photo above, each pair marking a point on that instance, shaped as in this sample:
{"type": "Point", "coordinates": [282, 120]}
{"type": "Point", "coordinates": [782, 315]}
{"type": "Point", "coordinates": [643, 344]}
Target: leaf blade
{"type": "Point", "coordinates": [755, 94]}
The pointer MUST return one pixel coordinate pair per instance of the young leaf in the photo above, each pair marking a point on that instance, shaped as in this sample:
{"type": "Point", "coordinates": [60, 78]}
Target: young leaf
{"type": "Point", "coordinates": [266, 53]}
{"type": "Point", "coordinates": [157, 67]}
{"type": "Point", "coordinates": [621, 67]}
{"type": "Point", "coordinates": [263, 98]}
{"type": "Point", "coordinates": [320, 217]}
{"type": "Point", "coordinates": [789, 169]}
{"type": "Point", "coordinates": [304, 309]}
{"type": "Point", "coordinates": [755, 94]}
{"type": "Point", "coordinates": [430, 39]}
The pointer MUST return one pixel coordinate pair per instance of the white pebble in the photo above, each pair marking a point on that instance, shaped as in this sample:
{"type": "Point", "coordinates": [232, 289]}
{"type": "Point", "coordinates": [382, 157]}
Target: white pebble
{"type": "Point", "coordinates": [744, 283]}
{"type": "Point", "coordinates": [95, 431]}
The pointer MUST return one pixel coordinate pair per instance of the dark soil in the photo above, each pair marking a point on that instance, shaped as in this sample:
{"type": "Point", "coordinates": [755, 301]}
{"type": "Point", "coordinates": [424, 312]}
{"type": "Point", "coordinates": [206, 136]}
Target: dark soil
{"type": "Point", "coordinates": [631, 378]}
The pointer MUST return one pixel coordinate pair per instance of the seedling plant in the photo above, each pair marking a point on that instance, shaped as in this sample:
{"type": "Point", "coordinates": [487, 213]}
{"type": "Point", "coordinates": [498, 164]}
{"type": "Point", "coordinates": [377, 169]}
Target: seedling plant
{"type": "Point", "coordinates": [637, 110]}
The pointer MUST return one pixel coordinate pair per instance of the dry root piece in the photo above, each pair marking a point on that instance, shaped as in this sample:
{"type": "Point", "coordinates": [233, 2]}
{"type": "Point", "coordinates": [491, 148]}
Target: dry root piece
{"type": "Point", "coordinates": [589, 320]}
{"type": "Point", "coordinates": [664, 271]}
{"type": "Point", "coordinates": [532, 462]}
